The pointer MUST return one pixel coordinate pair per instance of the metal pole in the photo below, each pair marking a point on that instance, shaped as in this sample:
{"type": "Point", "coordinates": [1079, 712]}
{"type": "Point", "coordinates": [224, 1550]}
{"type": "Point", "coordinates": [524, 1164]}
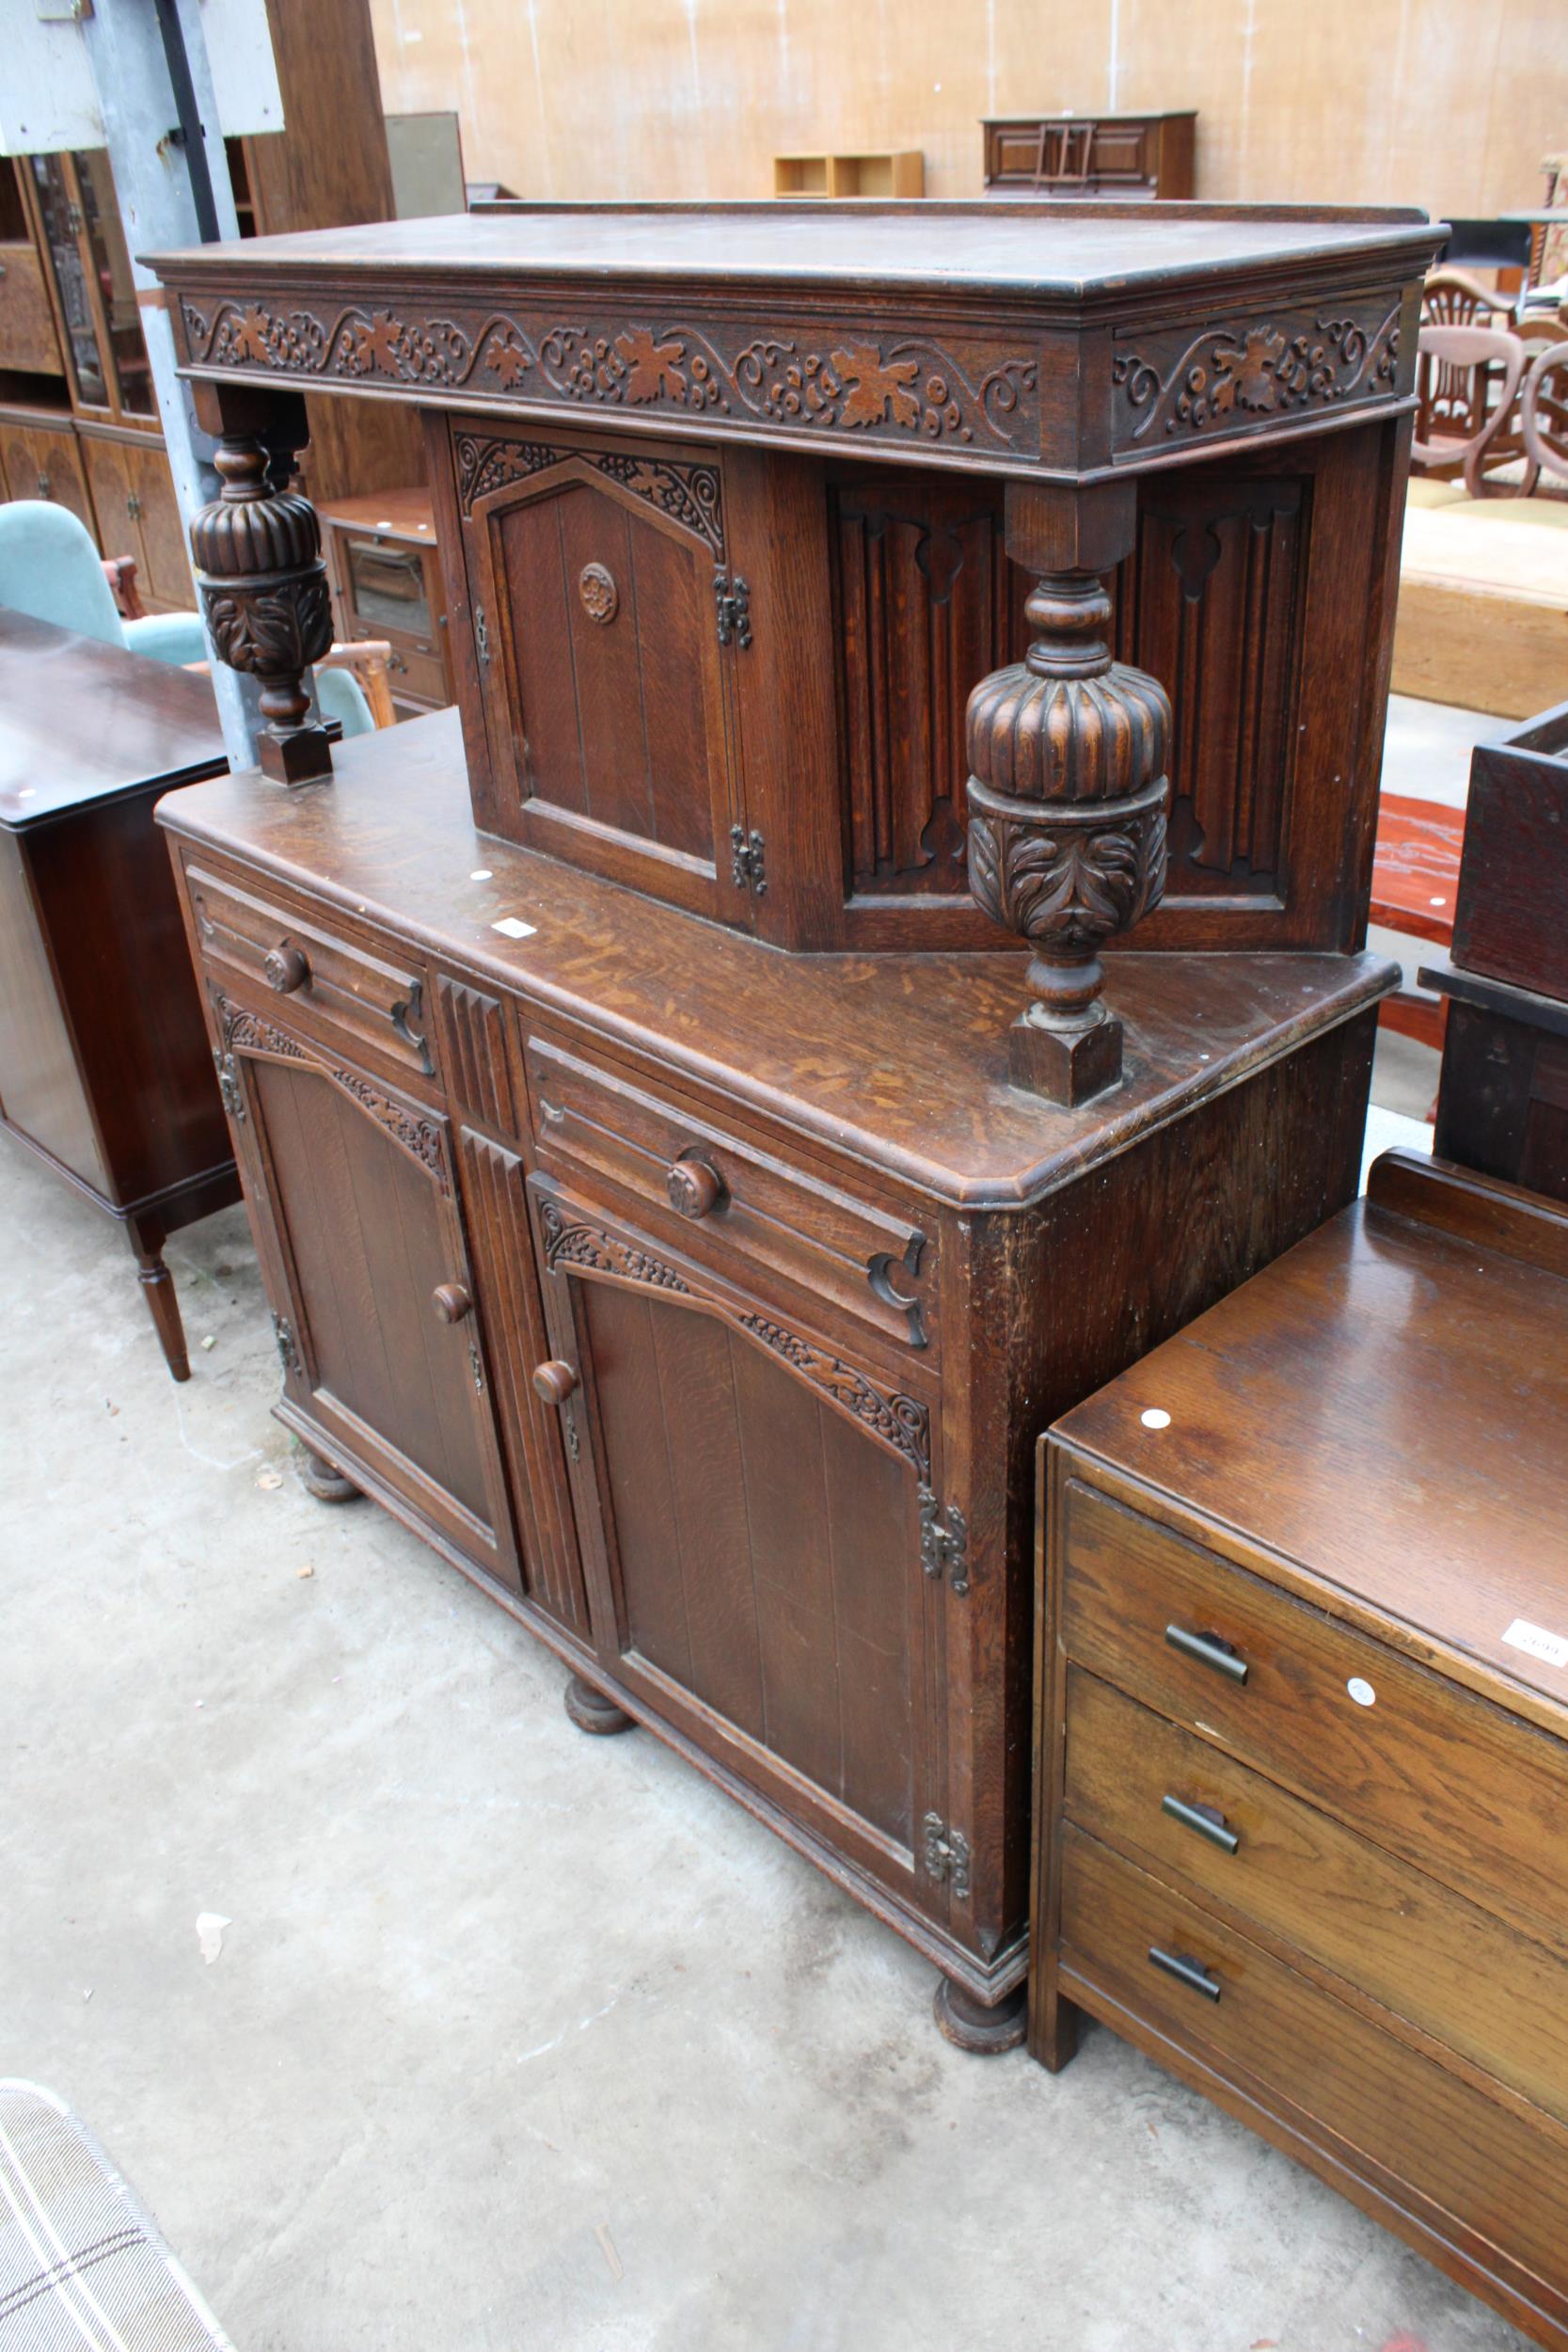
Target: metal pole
{"type": "Point", "coordinates": [166, 149]}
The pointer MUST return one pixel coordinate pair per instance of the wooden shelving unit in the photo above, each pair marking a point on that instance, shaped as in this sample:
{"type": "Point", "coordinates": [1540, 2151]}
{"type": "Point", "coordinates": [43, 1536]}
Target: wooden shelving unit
{"type": "Point", "coordinates": [895, 171]}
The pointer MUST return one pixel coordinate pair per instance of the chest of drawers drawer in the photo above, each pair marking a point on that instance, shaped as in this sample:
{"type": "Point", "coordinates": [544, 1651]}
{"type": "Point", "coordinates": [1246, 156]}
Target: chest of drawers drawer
{"type": "Point", "coordinates": [329, 982]}
{"type": "Point", "coordinates": [1475, 1798]}
{"type": "Point", "coordinates": [1350, 2097]}
{"type": "Point", "coordinates": [728, 1193]}
{"type": "Point", "coordinates": [1161, 1795]}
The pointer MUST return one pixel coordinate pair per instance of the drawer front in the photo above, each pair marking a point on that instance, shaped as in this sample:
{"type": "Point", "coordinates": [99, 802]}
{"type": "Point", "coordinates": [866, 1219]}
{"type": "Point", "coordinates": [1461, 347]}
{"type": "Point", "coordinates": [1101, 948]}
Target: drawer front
{"type": "Point", "coordinates": [733, 1197]}
{"type": "Point", "coordinates": [1459, 1788]}
{"type": "Point", "coordinates": [1428, 1954]}
{"type": "Point", "coordinates": [415, 670]}
{"type": "Point", "coordinates": [349, 992]}
{"type": "Point", "coordinates": [1357, 2092]}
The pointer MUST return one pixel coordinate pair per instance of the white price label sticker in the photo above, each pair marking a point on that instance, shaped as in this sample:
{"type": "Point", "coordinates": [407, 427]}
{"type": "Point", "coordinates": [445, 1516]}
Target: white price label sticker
{"type": "Point", "coordinates": [513, 927]}
{"type": "Point", "coordinates": [1551, 1648]}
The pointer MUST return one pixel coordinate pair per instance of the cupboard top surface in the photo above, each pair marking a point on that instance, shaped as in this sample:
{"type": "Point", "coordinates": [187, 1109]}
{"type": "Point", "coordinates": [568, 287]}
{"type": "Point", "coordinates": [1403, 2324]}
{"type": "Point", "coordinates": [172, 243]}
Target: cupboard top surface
{"type": "Point", "coordinates": [1386, 1405]}
{"type": "Point", "coordinates": [896, 1061]}
{"type": "Point", "coordinates": [860, 247]}
{"type": "Point", "coordinates": [80, 721]}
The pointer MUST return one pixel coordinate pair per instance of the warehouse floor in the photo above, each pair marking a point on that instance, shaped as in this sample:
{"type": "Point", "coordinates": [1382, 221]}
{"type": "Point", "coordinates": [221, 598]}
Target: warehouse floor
{"type": "Point", "coordinates": [515, 2038]}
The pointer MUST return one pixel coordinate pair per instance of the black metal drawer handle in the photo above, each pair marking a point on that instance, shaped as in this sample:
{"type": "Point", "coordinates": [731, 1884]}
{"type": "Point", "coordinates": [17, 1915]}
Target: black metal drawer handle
{"type": "Point", "coordinates": [1207, 1822]}
{"type": "Point", "coordinates": [1188, 1972]}
{"type": "Point", "coordinates": [1208, 1650]}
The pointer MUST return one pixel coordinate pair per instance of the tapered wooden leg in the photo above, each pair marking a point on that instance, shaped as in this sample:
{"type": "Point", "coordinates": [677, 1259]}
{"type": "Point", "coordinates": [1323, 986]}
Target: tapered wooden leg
{"type": "Point", "coordinates": [318, 1477]}
{"type": "Point", "coordinates": [591, 1711]}
{"type": "Point", "coordinates": [969, 2026]}
{"type": "Point", "coordinates": [163, 1301]}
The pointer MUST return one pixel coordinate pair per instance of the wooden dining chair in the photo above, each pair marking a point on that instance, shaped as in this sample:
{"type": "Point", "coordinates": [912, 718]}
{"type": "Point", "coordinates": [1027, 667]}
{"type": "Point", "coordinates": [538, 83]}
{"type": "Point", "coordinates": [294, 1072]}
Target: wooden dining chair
{"type": "Point", "coordinates": [1544, 413]}
{"type": "Point", "coordinates": [1466, 381]}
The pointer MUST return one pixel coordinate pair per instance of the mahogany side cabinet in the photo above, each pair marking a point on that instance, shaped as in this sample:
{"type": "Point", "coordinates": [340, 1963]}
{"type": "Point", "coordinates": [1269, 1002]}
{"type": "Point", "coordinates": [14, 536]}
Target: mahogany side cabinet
{"type": "Point", "coordinates": [1302, 1719]}
{"type": "Point", "coordinates": [680, 1198]}
{"type": "Point", "coordinates": [105, 1071]}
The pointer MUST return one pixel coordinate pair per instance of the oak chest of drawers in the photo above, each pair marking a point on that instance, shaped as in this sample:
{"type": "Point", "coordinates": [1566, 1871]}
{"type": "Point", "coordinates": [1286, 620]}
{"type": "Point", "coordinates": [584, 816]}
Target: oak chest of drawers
{"type": "Point", "coordinates": [1302, 1804]}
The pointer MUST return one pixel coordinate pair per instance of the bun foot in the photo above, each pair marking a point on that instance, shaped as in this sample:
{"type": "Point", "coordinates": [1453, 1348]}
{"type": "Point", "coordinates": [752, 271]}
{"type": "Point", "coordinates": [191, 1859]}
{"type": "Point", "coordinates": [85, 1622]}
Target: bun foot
{"type": "Point", "coordinates": [591, 1711]}
{"type": "Point", "coordinates": [318, 1477]}
{"type": "Point", "coordinates": [962, 2020]}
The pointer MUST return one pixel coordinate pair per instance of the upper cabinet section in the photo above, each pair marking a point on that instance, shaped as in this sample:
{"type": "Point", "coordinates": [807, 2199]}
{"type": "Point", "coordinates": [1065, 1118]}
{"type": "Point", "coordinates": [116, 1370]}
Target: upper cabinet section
{"type": "Point", "coordinates": [1067, 340]}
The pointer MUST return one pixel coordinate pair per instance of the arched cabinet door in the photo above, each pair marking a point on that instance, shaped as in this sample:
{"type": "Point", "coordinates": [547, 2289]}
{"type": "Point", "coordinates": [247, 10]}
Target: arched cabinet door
{"type": "Point", "coordinates": [351, 1186]}
{"type": "Point", "coordinates": [753, 1506]}
{"type": "Point", "coordinates": [602, 601]}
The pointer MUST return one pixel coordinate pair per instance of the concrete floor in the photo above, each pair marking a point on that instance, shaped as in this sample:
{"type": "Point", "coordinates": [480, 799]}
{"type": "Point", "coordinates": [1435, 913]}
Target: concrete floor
{"type": "Point", "coordinates": [517, 2038]}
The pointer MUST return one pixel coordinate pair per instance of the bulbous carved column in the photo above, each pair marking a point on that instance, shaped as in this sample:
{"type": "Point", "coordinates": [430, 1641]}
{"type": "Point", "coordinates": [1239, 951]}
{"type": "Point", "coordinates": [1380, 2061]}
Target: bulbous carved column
{"type": "Point", "coordinates": [1068, 787]}
{"type": "Point", "coordinates": [268, 606]}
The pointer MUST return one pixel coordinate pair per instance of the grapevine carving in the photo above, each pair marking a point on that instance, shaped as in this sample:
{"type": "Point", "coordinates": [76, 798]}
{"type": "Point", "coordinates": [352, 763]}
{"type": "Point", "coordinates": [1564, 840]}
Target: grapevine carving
{"type": "Point", "coordinates": [1223, 377]}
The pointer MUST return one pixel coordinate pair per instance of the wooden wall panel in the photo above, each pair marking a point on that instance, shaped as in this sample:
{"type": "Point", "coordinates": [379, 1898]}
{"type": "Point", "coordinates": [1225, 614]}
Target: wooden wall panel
{"type": "Point", "coordinates": [1449, 103]}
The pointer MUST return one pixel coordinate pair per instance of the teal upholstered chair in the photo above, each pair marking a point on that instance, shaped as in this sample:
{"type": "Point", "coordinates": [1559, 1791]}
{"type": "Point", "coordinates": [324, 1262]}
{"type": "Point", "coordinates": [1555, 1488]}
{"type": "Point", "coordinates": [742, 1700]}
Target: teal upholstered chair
{"type": "Point", "coordinates": [50, 568]}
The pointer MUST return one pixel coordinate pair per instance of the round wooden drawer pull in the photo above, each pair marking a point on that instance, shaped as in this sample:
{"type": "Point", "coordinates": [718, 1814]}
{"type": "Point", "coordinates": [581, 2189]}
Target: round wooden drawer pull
{"type": "Point", "coordinates": [695, 1187]}
{"type": "Point", "coordinates": [451, 1302]}
{"type": "Point", "coordinates": [287, 968]}
{"type": "Point", "coordinates": [555, 1381]}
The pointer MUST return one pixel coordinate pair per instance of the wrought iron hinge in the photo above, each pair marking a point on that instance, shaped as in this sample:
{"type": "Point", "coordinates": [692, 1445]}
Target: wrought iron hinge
{"type": "Point", "coordinates": [228, 1083]}
{"type": "Point", "coordinates": [574, 1445]}
{"type": "Point", "coordinates": [749, 861]}
{"type": "Point", "coordinates": [481, 635]}
{"type": "Point", "coordinates": [947, 1855]}
{"type": "Point", "coordinates": [46, 489]}
{"type": "Point", "coordinates": [733, 602]}
{"type": "Point", "coordinates": [288, 1353]}
{"type": "Point", "coordinates": [73, 220]}
{"type": "Point", "coordinates": [477, 1363]}
{"type": "Point", "coordinates": [133, 506]}
{"type": "Point", "coordinates": [944, 1541]}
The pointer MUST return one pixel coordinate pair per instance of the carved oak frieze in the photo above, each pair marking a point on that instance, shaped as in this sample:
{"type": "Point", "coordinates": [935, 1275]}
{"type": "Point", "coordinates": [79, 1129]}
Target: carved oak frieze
{"type": "Point", "coordinates": [687, 490]}
{"type": "Point", "coordinates": [1227, 378]}
{"type": "Point", "coordinates": [420, 1139]}
{"type": "Point", "coordinates": [901, 1422]}
{"type": "Point", "coordinates": [911, 387]}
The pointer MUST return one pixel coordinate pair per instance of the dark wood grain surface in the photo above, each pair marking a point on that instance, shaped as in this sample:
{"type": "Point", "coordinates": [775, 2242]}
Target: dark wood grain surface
{"type": "Point", "coordinates": [80, 721]}
{"type": "Point", "coordinates": [1389, 1401]}
{"type": "Point", "coordinates": [900, 1059]}
{"type": "Point", "coordinates": [1026, 248]}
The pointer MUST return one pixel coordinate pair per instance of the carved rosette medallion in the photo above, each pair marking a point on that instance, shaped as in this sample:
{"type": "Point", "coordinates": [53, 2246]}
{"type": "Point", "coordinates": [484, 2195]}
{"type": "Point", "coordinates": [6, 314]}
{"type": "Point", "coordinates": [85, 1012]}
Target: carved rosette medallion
{"type": "Point", "coordinates": [601, 598]}
{"type": "Point", "coordinates": [1067, 794]}
{"type": "Point", "coordinates": [267, 604]}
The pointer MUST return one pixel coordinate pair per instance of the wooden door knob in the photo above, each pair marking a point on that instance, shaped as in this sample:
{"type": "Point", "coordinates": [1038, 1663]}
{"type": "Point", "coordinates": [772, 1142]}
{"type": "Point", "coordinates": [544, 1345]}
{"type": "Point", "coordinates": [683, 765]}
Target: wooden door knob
{"type": "Point", "coordinates": [286, 969]}
{"type": "Point", "coordinates": [695, 1188]}
{"type": "Point", "coordinates": [451, 1302]}
{"type": "Point", "coordinates": [555, 1381]}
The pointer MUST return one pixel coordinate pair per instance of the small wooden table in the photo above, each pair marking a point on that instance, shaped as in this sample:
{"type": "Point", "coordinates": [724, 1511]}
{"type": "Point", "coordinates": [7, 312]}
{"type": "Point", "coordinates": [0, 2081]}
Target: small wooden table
{"type": "Point", "coordinates": [106, 1071]}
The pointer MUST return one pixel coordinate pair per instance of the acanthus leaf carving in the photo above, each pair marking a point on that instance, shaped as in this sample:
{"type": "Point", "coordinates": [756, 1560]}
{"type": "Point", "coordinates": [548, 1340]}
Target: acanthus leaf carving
{"type": "Point", "coordinates": [249, 1032]}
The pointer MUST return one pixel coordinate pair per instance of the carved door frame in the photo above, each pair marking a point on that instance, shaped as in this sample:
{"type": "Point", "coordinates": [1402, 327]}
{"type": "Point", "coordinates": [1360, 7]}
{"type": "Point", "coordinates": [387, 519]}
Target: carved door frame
{"type": "Point", "coordinates": [425, 1139]}
{"type": "Point", "coordinates": [579, 1243]}
{"type": "Point", "coordinates": [681, 492]}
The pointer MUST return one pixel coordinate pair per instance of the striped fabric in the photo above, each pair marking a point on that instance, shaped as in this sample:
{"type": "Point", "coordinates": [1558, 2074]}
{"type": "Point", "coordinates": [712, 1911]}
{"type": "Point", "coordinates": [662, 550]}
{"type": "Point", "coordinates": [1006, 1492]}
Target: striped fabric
{"type": "Point", "coordinates": [81, 2263]}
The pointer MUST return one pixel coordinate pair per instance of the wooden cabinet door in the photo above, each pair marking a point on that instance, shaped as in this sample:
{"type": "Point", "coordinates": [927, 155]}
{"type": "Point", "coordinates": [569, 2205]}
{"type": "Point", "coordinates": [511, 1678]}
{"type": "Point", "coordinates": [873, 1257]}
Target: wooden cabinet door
{"type": "Point", "coordinates": [167, 584]}
{"type": "Point", "coordinates": [377, 1323]}
{"type": "Point", "coordinates": [599, 578]}
{"type": "Point", "coordinates": [27, 333]}
{"type": "Point", "coordinates": [110, 481]}
{"type": "Point", "coordinates": [44, 462]}
{"type": "Point", "coordinates": [752, 1508]}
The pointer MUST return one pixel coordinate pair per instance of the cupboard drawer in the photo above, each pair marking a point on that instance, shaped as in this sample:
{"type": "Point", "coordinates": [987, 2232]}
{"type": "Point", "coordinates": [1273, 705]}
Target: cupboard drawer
{"type": "Point", "coordinates": [1428, 1954]}
{"type": "Point", "coordinates": [1356, 2093]}
{"type": "Point", "coordinates": [415, 670]}
{"type": "Point", "coordinates": [1456, 1786]}
{"type": "Point", "coordinates": [733, 1197]}
{"type": "Point", "coordinates": [351, 992]}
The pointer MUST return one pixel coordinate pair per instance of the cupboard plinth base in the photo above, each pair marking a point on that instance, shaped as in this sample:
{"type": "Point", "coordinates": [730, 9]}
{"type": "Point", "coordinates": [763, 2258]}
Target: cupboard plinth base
{"type": "Point", "coordinates": [591, 1711]}
{"type": "Point", "coordinates": [984, 2032]}
{"type": "Point", "coordinates": [318, 1477]}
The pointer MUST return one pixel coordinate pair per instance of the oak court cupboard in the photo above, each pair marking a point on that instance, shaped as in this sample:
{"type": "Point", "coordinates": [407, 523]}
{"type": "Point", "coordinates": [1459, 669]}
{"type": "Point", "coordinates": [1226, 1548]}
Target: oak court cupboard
{"type": "Point", "coordinates": [678, 1198]}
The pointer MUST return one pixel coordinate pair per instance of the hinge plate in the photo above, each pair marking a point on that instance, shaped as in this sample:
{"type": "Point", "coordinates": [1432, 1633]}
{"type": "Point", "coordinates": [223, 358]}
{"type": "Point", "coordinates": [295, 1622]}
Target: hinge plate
{"type": "Point", "coordinates": [947, 1855]}
{"type": "Point", "coordinates": [749, 860]}
{"type": "Point", "coordinates": [733, 603]}
{"type": "Point", "coordinates": [288, 1353]}
{"type": "Point", "coordinates": [481, 636]}
{"type": "Point", "coordinates": [228, 1083]}
{"type": "Point", "coordinates": [944, 1541]}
